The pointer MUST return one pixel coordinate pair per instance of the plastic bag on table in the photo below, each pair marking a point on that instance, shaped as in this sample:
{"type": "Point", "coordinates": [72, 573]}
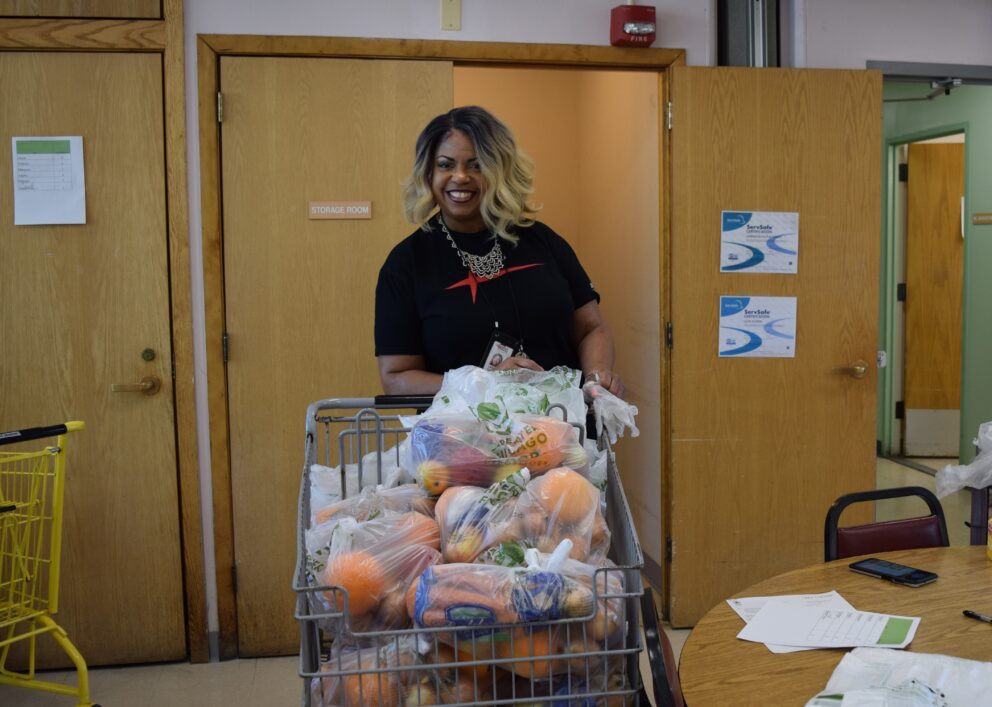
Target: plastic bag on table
{"type": "Point", "coordinates": [369, 566]}
{"type": "Point", "coordinates": [374, 685]}
{"type": "Point", "coordinates": [977, 474]}
{"type": "Point", "coordinates": [472, 519]}
{"type": "Point", "coordinates": [459, 450]}
{"type": "Point", "coordinates": [612, 414]}
{"type": "Point", "coordinates": [877, 677]}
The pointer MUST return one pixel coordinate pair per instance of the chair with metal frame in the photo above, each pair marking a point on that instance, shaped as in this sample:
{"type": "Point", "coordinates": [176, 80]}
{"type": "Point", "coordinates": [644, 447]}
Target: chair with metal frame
{"type": "Point", "coordinates": [664, 670]}
{"type": "Point", "coordinates": [884, 536]}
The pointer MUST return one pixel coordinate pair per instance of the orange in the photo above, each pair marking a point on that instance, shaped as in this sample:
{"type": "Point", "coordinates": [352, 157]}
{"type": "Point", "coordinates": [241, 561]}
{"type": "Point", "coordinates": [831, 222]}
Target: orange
{"type": "Point", "coordinates": [361, 575]}
{"type": "Point", "coordinates": [446, 654]}
{"type": "Point", "coordinates": [566, 494]}
{"type": "Point", "coordinates": [416, 528]}
{"type": "Point", "coordinates": [450, 497]}
{"type": "Point", "coordinates": [371, 689]}
{"type": "Point", "coordinates": [534, 645]}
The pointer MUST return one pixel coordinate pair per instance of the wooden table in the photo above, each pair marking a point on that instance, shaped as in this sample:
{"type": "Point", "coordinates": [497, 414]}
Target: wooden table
{"type": "Point", "coordinates": [716, 668]}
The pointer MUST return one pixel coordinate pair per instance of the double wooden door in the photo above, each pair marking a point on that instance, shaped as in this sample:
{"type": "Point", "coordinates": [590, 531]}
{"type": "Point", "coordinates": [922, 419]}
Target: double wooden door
{"type": "Point", "coordinates": [757, 448]}
{"type": "Point", "coordinates": [86, 307]}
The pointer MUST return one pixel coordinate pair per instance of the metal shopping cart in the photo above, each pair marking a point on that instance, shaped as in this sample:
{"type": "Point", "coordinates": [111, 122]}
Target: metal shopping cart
{"type": "Point", "coordinates": [349, 432]}
{"type": "Point", "coordinates": [32, 486]}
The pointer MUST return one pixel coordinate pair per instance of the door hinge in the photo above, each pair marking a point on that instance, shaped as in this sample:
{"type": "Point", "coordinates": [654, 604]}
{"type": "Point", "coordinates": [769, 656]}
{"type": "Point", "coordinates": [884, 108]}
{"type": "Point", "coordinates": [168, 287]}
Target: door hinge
{"type": "Point", "coordinates": [668, 335]}
{"type": "Point", "coordinates": [668, 549]}
{"type": "Point", "coordinates": [224, 346]}
{"type": "Point", "coordinates": [900, 410]}
{"type": "Point", "coordinates": [901, 292]}
{"type": "Point", "coordinates": [220, 107]}
{"type": "Point", "coordinates": [668, 115]}
{"type": "Point", "coordinates": [904, 172]}
{"type": "Point", "coordinates": [234, 578]}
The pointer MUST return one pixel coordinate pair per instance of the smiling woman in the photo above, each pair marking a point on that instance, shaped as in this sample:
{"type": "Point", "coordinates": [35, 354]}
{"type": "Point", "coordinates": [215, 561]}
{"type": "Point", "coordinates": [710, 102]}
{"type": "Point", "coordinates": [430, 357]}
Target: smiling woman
{"type": "Point", "coordinates": [512, 294]}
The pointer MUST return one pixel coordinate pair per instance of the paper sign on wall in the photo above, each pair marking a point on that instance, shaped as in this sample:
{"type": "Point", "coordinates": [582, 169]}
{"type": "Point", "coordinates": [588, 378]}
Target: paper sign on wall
{"type": "Point", "coordinates": [757, 327]}
{"type": "Point", "coordinates": [759, 241]}
{"type": "Point", "coordinates": [320, 210]}
{"type": "Point", "coordinates": [49, 181]}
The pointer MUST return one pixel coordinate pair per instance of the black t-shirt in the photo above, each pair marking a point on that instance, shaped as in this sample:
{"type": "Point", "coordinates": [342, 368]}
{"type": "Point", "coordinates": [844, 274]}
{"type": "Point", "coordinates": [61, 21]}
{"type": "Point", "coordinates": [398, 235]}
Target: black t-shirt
{"type": "Point", "coordinates": [427, 303]}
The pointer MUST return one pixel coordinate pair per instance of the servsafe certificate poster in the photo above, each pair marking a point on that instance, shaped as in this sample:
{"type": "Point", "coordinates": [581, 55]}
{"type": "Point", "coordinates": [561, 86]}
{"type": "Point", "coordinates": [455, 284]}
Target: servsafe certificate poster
{"type": "Point", "coordinates": [758, 327]}
{"type": "Point", "coordinates": [759, 241]}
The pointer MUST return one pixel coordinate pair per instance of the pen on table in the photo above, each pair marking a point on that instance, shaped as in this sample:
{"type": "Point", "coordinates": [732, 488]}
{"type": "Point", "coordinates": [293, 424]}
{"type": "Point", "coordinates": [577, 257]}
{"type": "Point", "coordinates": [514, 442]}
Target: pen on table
{"type": "Point", "coordinates": [976, 615]}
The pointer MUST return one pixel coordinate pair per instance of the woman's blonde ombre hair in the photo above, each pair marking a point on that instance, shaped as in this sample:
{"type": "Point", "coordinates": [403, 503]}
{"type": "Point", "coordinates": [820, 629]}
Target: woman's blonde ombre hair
{"type": "Point", "coordinates": [508, 172]}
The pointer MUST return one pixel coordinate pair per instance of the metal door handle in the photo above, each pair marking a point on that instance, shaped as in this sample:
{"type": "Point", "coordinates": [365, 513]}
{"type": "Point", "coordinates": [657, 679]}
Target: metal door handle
{"type": "Point", "coordinates": [858, 369]}
{"type": "Point", "coordinates": [149, 385]}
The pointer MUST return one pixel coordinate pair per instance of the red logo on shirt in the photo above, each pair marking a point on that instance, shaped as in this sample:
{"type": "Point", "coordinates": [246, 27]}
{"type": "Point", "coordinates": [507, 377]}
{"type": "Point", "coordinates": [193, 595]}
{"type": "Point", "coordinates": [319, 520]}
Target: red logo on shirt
{"type": "Point", "coordinates": [473, 280]}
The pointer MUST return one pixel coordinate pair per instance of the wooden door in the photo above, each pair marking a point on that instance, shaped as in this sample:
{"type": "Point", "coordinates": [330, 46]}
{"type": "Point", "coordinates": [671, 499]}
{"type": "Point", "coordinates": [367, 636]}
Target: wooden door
{"type": "Point", "coordinates": [299, 293]}
{"type": "Point", "coordinates": [761, 447]}
{"type": "Point", "coordinates": [80, 306]}
{"type": "Point", "coordinates": [934, 274]}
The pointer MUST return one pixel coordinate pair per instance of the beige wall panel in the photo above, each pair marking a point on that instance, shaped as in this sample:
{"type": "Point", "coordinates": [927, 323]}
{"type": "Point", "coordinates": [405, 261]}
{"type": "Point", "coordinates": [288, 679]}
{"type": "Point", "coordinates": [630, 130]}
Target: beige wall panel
{"type": "Point", "coordinates": [80, 304]}
{"type": "Point", "coordinates": [762, 446]}
{"type": "Point", "coordinates": [541, 107]}
{"type": "Point", "coordinates": [619, 243]}
{"type": "Point", "coordinates": [934, 277]}
{"type": "Point", "coordinates": [300, 294]}
{"type": "Point", "coordinates": [81, 8]}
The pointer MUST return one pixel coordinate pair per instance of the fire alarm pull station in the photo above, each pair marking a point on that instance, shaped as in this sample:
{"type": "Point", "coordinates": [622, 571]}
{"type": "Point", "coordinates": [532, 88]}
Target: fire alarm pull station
{"type": "Point", "coordinates": [632, 25]}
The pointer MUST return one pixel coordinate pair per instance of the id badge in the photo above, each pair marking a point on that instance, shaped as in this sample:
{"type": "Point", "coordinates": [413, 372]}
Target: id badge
{"type": "Point", "coordinates": [501, 347]}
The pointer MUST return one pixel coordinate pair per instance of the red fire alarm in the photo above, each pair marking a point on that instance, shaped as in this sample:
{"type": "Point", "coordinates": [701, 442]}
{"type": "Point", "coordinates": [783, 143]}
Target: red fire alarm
{"type": "Point", "coordinates": [632, 25]}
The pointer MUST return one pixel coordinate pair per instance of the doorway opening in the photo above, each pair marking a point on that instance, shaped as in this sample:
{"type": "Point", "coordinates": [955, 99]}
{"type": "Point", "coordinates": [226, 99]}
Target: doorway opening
{"type": "Point", "coordinates": [594, 137]}
{"type": "Point", "coordinates": [929, 210]}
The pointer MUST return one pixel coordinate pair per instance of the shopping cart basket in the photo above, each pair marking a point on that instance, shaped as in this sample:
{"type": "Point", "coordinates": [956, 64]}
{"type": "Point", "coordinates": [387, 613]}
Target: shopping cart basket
{"type": "Point", "coordinates": [32, 485]}
{"type": "Point", "coordinates": [353, 431]}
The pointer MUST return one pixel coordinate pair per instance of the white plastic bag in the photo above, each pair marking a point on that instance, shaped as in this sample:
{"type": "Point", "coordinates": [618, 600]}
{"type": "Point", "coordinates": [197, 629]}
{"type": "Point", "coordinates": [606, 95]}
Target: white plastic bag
{"type": "Point", "coordinates": [884, 677]}
{"type": "Point", "coordinates": [976, 475]}
{"type": "Point", "coordinates": [515, 392]}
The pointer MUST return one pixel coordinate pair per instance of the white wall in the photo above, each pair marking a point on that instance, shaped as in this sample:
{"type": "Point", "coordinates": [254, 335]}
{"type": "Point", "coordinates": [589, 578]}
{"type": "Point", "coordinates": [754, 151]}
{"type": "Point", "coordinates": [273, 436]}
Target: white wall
{"type": "Point", "coordinates": [815, 33]}
{"type": "Point", "coordinates": [847, 33]}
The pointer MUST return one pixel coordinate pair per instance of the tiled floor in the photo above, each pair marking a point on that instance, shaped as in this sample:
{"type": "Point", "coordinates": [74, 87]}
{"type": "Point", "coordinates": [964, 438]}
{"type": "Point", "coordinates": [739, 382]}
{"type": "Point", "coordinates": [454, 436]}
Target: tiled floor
{"type": "Point", "coordinates": [273, 682]}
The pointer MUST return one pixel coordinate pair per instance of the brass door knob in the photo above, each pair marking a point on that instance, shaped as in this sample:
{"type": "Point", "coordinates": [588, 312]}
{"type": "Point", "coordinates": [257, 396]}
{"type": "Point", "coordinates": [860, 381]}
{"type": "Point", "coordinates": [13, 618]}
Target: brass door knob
{"type": "Point", "coordinates": [858, 369]}
{"type": "Point", "coordinates": [149, 385]}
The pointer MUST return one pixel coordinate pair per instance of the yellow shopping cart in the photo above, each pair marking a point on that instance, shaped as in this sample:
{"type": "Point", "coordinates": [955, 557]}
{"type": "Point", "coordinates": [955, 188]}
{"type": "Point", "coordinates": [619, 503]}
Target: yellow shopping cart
{"type": "Point", "coordinates": [32, 486]}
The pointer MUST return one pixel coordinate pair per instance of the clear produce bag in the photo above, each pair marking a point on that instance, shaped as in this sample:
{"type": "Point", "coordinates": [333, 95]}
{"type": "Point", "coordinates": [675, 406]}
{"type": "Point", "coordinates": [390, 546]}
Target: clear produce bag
{"type": "Point", "coordinates": [460, 450]}
{"type": "Point", "coordinates": [976, 475]}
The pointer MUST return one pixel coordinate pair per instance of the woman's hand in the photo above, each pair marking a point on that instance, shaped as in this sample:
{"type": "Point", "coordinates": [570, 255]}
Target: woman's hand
{"type": "Point", "coordinates": [519, 362]}
{"type": "Point", "coordinates": [609, 380]}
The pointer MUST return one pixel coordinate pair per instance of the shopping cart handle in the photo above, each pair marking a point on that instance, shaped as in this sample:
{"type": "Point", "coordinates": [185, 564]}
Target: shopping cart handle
{"type": "Point", "coordinates": [30, 433]}
{"type": "Point", "coordinates": [421, 402]}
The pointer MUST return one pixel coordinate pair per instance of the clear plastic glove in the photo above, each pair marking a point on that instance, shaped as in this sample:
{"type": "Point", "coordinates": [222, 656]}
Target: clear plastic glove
{"type": "Point", "coordinates": [612, 414]}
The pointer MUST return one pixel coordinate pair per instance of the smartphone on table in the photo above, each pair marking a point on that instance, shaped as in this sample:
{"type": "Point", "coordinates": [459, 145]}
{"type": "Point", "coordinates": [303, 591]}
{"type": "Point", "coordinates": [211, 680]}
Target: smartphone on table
{"type": "Point", "coordinates": [893, 571]}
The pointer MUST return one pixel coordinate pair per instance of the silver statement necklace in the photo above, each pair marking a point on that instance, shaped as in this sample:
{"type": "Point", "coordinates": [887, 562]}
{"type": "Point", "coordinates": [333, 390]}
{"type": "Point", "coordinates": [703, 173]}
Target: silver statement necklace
{"type": "Point", "coordinates": [485, 266]}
